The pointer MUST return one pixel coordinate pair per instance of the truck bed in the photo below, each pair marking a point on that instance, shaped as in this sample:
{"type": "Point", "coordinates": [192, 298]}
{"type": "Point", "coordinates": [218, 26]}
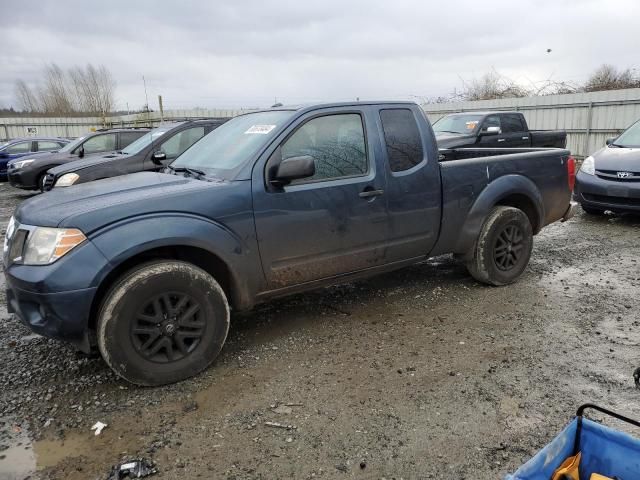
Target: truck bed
{"type": "Point", "coordinates": [480, 172]}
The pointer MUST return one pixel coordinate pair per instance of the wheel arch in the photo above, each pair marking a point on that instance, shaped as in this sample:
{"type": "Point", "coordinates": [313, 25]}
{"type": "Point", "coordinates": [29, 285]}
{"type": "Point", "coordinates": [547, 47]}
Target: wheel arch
{"type": "Point", "coordinates": [200, 257]}
{"type": "Point", "coordinates": [510, 191]}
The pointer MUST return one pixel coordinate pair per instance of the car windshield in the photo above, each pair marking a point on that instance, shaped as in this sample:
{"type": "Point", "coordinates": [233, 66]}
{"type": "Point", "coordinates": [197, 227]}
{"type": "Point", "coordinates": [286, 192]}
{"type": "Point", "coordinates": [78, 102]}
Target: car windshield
{"type": "Point", "coordinates": [457, 124]}
{"type": "Point", "coordinates": [229, 145]}
{"type": "Point", "coordinates": [71, 145]}
{"type": "Point", "coordinates": [146, 139]}
{"type": "Point", "coordinates": [630, 138]}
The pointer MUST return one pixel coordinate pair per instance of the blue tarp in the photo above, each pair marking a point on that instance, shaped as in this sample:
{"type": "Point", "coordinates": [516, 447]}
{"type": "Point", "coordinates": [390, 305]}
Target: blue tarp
{"type": "Point", "coordinates": [604, 451]}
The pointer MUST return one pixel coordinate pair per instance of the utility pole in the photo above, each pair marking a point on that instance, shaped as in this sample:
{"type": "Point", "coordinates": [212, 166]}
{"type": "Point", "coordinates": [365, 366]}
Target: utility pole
{"type": "Point", "coordinates": [161, 110]}
{"type": "Point", "coordinates": [146, 98]}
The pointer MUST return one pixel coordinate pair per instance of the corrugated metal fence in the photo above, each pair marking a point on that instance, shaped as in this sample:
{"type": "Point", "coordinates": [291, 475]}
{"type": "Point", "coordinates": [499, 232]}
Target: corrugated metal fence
{"type": "Point", "coordinates": [588, 118]}
{"type": "Point", "coordinates": [14, 127]}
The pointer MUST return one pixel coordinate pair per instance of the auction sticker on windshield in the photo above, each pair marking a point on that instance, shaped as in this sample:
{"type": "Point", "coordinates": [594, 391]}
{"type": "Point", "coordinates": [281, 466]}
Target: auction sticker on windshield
{"type": "Point", "coordinates": [260, 129]}
{"type": "Point", "coordinates": [471, 125]}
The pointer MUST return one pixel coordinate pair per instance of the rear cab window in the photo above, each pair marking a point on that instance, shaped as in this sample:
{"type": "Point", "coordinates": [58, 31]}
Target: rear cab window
{"type": "Point", "coordinates": [402, 138]}
{"type": "Point", "coordinates": [512, 124]}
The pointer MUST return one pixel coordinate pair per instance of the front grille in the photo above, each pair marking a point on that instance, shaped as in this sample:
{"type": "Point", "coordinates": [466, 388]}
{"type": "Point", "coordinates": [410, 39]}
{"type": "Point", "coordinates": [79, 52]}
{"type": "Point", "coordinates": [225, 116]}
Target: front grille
{"type": "Point", "coordinates": [613, 175]}
{"type": "Point", "coordinates": [48, 181]}
{"type": "Point", "coordinates": [622, 201]}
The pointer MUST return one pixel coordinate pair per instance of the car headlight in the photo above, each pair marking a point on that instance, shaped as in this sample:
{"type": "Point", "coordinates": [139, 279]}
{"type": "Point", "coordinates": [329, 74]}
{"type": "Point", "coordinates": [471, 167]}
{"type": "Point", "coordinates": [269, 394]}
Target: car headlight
{"type": "Point", "coordinates": [46, 245]}
{"type": "Point", "coordinates": [67, 180]}
{"type": "Point", "coordinates": [11, 226]}
{"type": "Point", "coordinates": [588, 166]}
{"type": "Point", "coordinates": [22, 163]}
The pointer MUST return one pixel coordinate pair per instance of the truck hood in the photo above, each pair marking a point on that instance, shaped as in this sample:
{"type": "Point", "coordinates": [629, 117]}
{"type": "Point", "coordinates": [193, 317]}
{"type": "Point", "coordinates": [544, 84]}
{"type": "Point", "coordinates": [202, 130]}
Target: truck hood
{"type": "Point", "coordinates": [88, 161]}
{"type": "Point", "coordinates": [453, 140]}
{"type": "Point", "coordinates": [96, 204]}
{"type": "Point", "coordinates": [618, 159]}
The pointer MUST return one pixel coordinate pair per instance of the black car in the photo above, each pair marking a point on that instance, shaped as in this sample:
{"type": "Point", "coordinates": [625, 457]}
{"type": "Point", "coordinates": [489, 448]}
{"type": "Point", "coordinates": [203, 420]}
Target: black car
{"type": "Point", "coordinates": [493, 130]}
{"type": "Point", "coordinates": [151, 152]}
{"type": "Point", "coordinates": [610, 178]}
{"type": "Point", "coordinates": [28, 172]}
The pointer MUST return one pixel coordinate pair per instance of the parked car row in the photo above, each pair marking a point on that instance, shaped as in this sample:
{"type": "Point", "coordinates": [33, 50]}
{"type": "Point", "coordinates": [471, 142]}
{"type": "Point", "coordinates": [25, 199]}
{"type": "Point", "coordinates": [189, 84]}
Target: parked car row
{"type": "Point", "coordinates": [146, 267]}
{"type": "Point", "coordinates": [107, 153]}
{"type": "Point", "coordinates": [20, 147]}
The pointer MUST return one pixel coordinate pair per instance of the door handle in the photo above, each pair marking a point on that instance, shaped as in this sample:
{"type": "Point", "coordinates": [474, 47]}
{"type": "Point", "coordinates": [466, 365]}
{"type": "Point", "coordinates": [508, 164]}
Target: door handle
{"type": "Point", "coordinates": [525, 138]}
{"type": "Point", "coordinates": [501, 140]}
{"type": "Point", "coordinates": [371, 193]}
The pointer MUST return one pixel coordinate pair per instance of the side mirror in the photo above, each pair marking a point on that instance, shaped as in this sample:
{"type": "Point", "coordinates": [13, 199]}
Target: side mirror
{"type": "Point", "coordinates": [609, 141]}
{"type": "Point", "coordinates": [158, 157]}
{"type": "Point", "coordinates": [491, 131]}
{"type": "Point", "coordinates": [294, 168]}
{"type": "Point", "coordinates": [81, 152]}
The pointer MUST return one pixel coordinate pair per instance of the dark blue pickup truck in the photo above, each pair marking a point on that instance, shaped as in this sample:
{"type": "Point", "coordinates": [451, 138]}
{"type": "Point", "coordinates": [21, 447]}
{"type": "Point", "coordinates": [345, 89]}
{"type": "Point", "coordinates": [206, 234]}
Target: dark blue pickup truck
{"type": "Point", "coordinates": [148, 265]}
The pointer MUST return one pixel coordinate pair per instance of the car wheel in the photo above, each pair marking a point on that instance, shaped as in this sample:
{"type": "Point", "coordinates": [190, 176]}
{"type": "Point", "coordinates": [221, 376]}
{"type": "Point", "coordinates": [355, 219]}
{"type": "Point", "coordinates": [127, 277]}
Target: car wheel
{"type": "Point", "coordinates": [163, 322]}
{"type": "Point", "coordinates": [592, 210]}
{"type": "Point", "coordinates": [503, 248]}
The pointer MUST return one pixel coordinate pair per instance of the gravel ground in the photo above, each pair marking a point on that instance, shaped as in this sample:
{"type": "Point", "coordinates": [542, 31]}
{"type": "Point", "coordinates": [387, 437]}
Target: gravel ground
{"type": "Point", "coordinates": [421, 373]}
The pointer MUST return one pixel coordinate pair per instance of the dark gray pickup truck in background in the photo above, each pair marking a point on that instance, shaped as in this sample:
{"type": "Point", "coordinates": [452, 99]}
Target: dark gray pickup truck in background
{"type": "Point", "coordinates": [268, 204]}
{"type": "Point", "coordinates": [493, 130]}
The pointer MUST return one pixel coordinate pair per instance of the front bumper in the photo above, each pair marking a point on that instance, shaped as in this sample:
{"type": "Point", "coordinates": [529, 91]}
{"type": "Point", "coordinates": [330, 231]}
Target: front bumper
{"type": "Point", "coordinates": [60, 315]}
{"type": "Point", "coordinates": [21, 178]}
{"type": "Point", "coordinates": [617, 196]}
{"type": "Point", "coordinates": [56, 300]}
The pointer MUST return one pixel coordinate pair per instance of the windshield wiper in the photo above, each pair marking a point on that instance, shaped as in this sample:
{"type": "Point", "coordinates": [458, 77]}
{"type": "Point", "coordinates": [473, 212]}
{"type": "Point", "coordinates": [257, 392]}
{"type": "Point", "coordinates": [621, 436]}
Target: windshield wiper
{"type": "Point", "coordinates": [197, 174]}
{"type": "Point", "coordinates": [448, 131]}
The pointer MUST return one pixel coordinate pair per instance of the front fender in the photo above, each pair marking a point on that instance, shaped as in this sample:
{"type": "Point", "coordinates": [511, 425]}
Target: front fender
{"type": "Point", "coordinates": [493, 194]}
{"type": "Point", "coordinates": [125, 239]}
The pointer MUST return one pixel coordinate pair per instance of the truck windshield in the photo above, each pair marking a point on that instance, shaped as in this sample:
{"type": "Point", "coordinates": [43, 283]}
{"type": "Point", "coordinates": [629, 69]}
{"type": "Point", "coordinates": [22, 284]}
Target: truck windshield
{"type": "Point", "coordinates": [630, 138]}
{"type": "Point", "coordinates": [457, 124]}
{"type": "Point", "coordinates": [71, 145]}
{"type": "Point", "coordinates": [145, 140]}
{"type": "Point", "coordinates": [232, 143]}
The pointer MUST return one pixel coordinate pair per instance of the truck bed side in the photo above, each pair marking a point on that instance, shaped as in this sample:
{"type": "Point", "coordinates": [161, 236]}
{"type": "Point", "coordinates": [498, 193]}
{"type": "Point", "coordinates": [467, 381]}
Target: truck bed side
{"type": "Point", "coordinates": [548, 138]}
{"type": "Point", "coordinates": [536, 181]}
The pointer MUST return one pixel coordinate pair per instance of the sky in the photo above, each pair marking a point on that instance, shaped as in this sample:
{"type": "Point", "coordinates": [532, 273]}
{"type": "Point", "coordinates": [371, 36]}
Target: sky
{"type": "Point", "coordinates": [231, 54]}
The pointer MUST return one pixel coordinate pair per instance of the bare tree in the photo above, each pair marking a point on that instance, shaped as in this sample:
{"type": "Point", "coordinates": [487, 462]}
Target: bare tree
{"type": "Point", "coordinates": [27, 98]}
{"type": "Point", "coordinates": [608, 77]}
{"type": "Point", "coordinates": [88, 90]}
{"type": "Point", "coordinates": [490, 86]}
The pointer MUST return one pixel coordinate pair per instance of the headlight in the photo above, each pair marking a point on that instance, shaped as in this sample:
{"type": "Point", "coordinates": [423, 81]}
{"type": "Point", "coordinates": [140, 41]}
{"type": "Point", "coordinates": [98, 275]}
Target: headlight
{"type": "Point", "coordinates": [45, 245]}
{"type": "Point", "coordinates": [67, 180]}
{"type": "Point", "coordinates": [22, 163]}
{"type": "Point", "coordinates": [588, 166]}
{"type": "Point", "coordinates": [11, 226]}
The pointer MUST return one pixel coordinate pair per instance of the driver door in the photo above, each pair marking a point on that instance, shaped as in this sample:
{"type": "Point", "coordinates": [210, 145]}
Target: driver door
{"type": "Point", "coordinates": [332, 223]}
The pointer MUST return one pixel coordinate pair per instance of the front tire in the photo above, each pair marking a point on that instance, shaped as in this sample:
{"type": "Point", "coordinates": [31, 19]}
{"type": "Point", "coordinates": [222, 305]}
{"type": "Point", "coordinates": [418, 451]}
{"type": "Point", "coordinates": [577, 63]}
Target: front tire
{"type": "Point", "coordinates": [163, 322]}
{"type": "Point", "coordinates": [503, 248]}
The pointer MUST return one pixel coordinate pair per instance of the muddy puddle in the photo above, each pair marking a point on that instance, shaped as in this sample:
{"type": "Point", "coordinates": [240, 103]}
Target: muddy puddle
{"type": "Point", "coordinates": [17, 458]}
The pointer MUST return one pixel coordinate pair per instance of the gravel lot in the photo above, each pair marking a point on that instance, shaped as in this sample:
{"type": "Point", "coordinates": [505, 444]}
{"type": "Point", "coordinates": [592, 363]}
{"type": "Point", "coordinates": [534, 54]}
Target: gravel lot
{"type": "Point", "coordinates": [421, 373]}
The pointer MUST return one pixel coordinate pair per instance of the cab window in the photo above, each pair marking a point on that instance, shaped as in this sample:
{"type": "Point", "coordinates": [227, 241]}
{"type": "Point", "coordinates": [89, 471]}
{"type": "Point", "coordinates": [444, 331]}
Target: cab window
{"type": "Point", "coordinates": [336, 143]}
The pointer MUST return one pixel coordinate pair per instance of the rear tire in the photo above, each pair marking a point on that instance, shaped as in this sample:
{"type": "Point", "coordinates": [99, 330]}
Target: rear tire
{"type": "Point", "coordinates": [163, 322]}
{"type": "Point", "coordinates": [503, 248]}
{"type": "Point", "coordinates": [592, 210]}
